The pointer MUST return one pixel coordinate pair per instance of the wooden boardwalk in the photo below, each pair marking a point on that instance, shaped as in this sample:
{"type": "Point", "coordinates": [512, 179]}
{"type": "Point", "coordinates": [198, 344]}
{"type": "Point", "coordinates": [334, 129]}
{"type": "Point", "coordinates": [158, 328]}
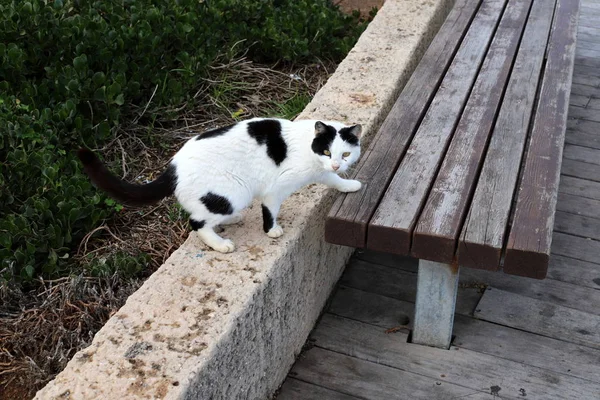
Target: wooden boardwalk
{"type": "Point", "coordinates": [515, 338]}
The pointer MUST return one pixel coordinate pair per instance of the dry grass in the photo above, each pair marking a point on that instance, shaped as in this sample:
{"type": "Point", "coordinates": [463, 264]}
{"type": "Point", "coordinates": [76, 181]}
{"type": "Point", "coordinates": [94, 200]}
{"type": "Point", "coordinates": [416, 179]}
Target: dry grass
{"type": "Point", "coordinates": [41, 329]}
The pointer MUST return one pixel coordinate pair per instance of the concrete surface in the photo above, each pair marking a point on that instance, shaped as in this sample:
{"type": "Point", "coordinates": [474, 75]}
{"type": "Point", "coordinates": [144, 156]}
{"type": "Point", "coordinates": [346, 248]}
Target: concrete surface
{"type": "Point", "coordinates": [229, 326]}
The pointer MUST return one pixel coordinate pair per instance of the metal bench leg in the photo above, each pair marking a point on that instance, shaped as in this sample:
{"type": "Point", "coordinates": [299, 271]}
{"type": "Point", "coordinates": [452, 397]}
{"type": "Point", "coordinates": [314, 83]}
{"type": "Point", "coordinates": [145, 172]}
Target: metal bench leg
{"type": "Point", "coordinates": [437, 286]}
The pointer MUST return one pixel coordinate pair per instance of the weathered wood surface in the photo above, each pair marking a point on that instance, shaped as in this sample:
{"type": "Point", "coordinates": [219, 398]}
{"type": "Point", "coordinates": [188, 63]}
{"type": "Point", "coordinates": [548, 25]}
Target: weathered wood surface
{"type": "Point", "coordinates": [578, 205]}
{"type": "Point", "coordinates": [484, 230]}
{"type": "Point", "coordinates": [584, 133]}
{"type": "Point", "coordinates": [578, 225]}
{"type": "Point", "coordinates": [399, 284]}
{"type": "Point", "coordinates": [528, 348]}
{"type": "Point", "coordinates": [576, 247]}
{"type": "Point", "coordinates": [581, 170]}
{"type": "Point", "coordinates": [440, 221]}
{"type": "Point", "coordinates": [584, 154]}
{"type": "Point", "coordinates": [372, 379]}
{"type": "Point", "coordinates": [587, 114]}
{"type": "Point", "coordinates": [580, 187]}
{"type": "Point", "coordinates": [349, 216]}
{"type": "Point", "coordinates": [543, 318]}
{"type": "Point", "coordinates": [574, 271]}
{"type": "Point", "coordinates": [391, 226]}
{"type": "Point", "coordinates": [458, 366]}
{"type": "Point", "coordinates": [516, 345]}
{"type": "Point", "coordinates": [294, 389]}
{"type": "Point", "coordinates": [528, 247]}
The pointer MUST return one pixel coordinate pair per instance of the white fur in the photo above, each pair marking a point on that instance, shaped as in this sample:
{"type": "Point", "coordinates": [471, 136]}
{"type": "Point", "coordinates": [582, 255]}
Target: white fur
{"type": "Point", "coordinates": [236, 167]}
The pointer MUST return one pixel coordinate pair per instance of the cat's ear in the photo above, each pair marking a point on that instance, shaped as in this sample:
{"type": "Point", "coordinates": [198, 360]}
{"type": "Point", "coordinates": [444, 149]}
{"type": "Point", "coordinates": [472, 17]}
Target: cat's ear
{"type": "Point", "coordinates": [320, 128]}
{"type": "Point", "coordinates": [356, 130]}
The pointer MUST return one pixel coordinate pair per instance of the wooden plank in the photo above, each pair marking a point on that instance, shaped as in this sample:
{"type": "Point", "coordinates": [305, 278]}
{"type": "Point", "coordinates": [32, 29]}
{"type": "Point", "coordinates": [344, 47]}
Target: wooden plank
{"type": "Point", "coordinates": [483, 233]}
{"type": "Point", "coordinates": [587, 114]}
{"type": "Point", "coordinates": [589, 80]}
{"type": "Point", "coordinates": [391, 260]}
{"type": "Point", "coordinates": [554, 292]}
{"type": "Point", "coordinates": [591, 129]}
{"type": "Point", "coordinates": [458, 366]}
{"type": "Point", "coordinates": [372, 380]}
{"type": "Point", "coordinates": [528, 246]}
{"type": "Point", "coordinates": [580, 187]}
{"type": "Point", "coordinates": [578, 225]}
{"type": "Point", "coordinates": [372, 308]}
{"type": "Point", "coordinates": [578, 272]}
{"type": "Point", "coordinates": [585, 90]}
{"type": "Point", "coordinates": [585, 44]}
{"type": "Point", "coordinates": [578, 100]}
{"type": "Point", "coordinates": [583, 154]}
{"type": "Point", "coordinates": [294, 389]}
{"type": "Point", "coordinates": [398, 284]}
{"type": "Point", "coordinates": [578, 205]}
{"type": "Point", "coordinates": [580, 170]}
{"type": "Point", "coordinates": [586, 70]}
{"type": "Point", "coordinates": [440, 222]}
{"type": "Point", "coordinates": [588, 33]}
{"type": "Point", "coordinates": [483, 337]}
{"type": "Point", "coordinates": [539, 317]}
{"type": "Point", "coordinates": [391, 227]}
{"type": "Point", "coordinates": [347, 221]}
{"type": "Point", "coordinates": [594, 104]}
{"type": "Point", "coordinates": [516, 345]}
{"type": "Point", "coordinates": [583, 133]}
{"type": "Point", "coordinates": [576, 247]}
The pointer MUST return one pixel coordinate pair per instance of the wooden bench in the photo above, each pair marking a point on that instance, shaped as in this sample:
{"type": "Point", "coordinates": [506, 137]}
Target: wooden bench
{"type": "Point", "coordinates": [465, 169]}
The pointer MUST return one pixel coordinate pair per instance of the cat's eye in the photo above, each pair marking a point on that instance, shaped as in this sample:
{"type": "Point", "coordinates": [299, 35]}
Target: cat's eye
{"type": "Point", "coordinates": [346, 154]}
{"type": "Point", "coordinates": [327, 153]}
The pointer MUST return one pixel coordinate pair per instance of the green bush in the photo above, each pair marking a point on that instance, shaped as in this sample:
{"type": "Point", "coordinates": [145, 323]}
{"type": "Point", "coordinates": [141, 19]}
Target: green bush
{"type": "Point", "coordinates": [72, 70]}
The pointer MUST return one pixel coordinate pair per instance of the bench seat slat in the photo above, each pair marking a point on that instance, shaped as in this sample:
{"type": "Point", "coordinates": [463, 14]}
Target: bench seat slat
{"type": "Point", "coordinates": [441, 219]}
{"type": "Point", "coordinates": [348, 218]}
{"type": "Point", "coordinates": [528, 247]}
{"type": "Point", "coordinates": [483, 233]}
{"type": "Point", "coordinates": [392, 224]}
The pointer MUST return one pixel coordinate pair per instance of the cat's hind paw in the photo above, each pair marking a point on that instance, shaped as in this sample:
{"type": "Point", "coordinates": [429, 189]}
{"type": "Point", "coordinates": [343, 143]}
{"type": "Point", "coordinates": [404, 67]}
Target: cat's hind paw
{"type": "Point", "coordinates": [226, 246]}
{"type": "Point", "coordinates": [275, 231]}
{"type": "Point", "coordinates": [350, 185]}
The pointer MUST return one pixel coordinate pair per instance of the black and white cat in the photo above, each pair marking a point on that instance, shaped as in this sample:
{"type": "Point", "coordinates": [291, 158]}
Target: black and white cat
{"type": "Point", "coordinates": [216, 175]}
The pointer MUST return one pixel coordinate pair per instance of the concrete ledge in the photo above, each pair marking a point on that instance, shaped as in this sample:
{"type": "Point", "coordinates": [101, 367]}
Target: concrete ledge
{"type": "Point", "coordinates": [214, 326]}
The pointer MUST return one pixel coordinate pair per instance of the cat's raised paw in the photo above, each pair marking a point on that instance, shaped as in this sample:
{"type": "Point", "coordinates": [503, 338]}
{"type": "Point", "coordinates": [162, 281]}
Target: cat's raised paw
{"type": "Point", "coordinates": [350, 186]}
{"type": "Point", "coordinates": [275, 231]}
{"type": "Point", "coordinates": [226, 246]}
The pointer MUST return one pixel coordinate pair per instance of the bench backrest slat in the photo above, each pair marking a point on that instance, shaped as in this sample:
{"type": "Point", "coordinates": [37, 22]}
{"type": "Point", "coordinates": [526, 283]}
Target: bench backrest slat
{"type": "Point", "coordinates": [485, 227]}
{"type": "Point", "coordinates": [440, 222]}
{"type": "Point", "coordinates": [391, 226]}
{"type": "Point", "coordinates": [348, 218]}
{"type": "Point", "coordinates": [528, 247]}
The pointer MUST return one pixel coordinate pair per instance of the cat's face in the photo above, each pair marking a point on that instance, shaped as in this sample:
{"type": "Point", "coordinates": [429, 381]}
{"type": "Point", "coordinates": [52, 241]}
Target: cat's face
{"type": "Point", "coordinates": [337, 147]}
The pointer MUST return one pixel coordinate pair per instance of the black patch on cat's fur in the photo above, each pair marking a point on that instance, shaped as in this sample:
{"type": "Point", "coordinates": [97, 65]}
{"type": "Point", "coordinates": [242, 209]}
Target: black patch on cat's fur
{"type": "Point", "coordinates": [322, 141]}
{"type": "Point", "coordinates": [267, 219]}
{"type": "Point", "coordinates": [347, 135]}
{"type": "Point", "coordinates": [197, 225]}
{"type": "Point", "coordinates": [125, 192]}
{"type": "Point", "coordinates": [215, 132]}
{"type": "Point", "coordinates": [217, 204]}
{"type": "Point", "coordinates": [269, 131]}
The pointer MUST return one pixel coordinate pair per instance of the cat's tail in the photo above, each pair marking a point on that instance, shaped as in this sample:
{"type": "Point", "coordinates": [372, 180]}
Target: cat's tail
{"type": "Point", "coordinates": [125, 192]}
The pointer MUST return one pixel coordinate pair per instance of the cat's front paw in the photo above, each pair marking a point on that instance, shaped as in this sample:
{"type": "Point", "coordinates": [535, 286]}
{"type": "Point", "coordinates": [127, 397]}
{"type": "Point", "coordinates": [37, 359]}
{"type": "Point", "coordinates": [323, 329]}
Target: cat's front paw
{"type": "Point", "coordinates": [275, 231]}
{"type": "Point", "coordinates": [350, 185]}
{"type": "Point", "coordinates": [226, 246]}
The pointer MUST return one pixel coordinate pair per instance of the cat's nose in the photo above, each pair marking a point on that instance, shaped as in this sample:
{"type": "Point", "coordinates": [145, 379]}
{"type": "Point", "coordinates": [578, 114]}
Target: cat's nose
{"type": "Point", "coordinates": [335, 166]}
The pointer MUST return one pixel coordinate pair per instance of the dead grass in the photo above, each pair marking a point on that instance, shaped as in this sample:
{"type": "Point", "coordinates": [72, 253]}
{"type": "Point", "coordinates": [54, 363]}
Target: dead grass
{"type": "Point", "coordinates": [41, 329]}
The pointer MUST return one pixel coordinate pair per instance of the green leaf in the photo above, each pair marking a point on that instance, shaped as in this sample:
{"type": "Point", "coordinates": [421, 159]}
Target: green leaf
{"type": "Point", "coordinates": [104, 129]}
{"type": "Point", "coordinates": [120, 100]}
{"type": "Point", "coordinates": [80, 62]}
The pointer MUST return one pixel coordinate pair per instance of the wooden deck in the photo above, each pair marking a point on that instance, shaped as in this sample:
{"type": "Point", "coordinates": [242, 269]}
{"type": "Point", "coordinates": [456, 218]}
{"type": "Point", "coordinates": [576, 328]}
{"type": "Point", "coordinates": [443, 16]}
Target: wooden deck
{"type": "Point", "coordinates": [515, 338]}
